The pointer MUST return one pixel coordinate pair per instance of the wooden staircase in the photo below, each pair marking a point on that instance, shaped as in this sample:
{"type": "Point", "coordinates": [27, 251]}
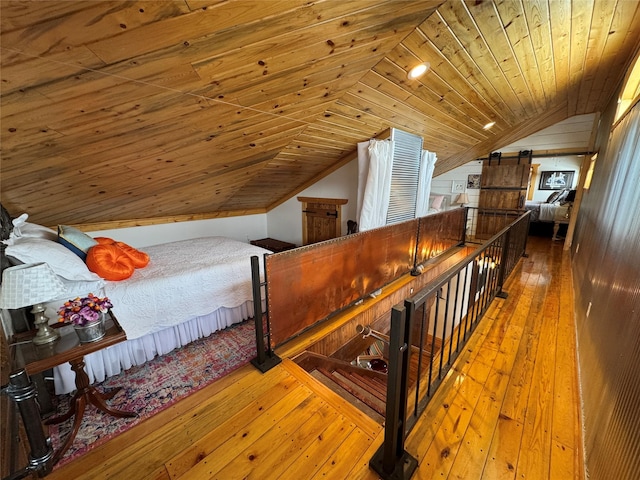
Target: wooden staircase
{"type": "Point", "coordinates": [364, 388]}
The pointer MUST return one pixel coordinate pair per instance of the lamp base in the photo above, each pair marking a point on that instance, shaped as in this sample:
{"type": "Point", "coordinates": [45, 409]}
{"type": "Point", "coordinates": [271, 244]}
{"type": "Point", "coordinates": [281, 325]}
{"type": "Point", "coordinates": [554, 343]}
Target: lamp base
{"type": "Point", "coordinates": [45, 333]}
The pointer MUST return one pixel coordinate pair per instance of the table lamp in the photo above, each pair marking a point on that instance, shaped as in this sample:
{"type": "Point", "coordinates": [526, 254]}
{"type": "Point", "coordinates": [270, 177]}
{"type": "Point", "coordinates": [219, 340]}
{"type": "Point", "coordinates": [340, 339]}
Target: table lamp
{"type": "Point", "coordinates": [462, 199]}
{"type": "Point", "coordinates": [32, 284]}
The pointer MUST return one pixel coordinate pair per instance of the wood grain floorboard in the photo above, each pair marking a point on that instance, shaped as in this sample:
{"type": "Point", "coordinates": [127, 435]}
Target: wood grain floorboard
{"type": "Point", "coordinates": [509, 408]}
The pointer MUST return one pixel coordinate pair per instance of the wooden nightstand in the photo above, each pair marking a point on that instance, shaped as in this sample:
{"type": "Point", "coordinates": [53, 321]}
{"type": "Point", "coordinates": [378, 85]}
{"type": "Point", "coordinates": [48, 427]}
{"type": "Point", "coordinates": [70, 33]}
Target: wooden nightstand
{"type": "Point", "coordinates": [273, 244]}
{"type": "Point", "coordinates": [37, 358]}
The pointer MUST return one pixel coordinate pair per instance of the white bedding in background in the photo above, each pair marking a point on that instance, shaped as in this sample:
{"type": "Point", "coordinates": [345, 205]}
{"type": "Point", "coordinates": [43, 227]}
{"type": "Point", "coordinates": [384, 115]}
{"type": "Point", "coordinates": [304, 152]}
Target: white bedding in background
{"type": "Point", "coordinates": [547, 212]}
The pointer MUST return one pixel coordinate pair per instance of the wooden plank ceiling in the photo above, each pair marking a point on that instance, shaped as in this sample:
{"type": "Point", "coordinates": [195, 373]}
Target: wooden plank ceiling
{"type": "Point", "coordinates": [143, 110]}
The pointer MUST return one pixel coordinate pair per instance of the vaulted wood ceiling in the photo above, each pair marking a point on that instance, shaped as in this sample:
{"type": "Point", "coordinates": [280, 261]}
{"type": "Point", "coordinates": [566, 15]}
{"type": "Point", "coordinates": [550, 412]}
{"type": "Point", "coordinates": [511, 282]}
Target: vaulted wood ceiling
{"type": "Point", "coordinates": [154, 109]}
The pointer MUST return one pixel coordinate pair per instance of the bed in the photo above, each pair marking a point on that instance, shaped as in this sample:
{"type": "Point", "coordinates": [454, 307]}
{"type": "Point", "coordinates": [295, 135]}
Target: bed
{"type": "Point", "coordinates": [557, 205]}
{"type": "Point", "coordinates": [438, 202]}
{"type": "Point", "coordinates": [546, 212]}
{"type": "Point", "coordinates": [189, 289]}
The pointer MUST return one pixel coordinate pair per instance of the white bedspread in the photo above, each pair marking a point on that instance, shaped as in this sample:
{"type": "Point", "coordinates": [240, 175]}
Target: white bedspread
{"type": "Point", "coordinates": [183, 280]}
{"type": "Point", "coordinates": [547, 211]}
{"type": "Point", "coordinates": [189, 290]}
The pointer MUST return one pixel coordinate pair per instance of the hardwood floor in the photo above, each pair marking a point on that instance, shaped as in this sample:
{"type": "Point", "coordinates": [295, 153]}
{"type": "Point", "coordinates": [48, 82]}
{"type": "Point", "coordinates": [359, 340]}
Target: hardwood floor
{"type": "Point", "coordinates": [509, 409]}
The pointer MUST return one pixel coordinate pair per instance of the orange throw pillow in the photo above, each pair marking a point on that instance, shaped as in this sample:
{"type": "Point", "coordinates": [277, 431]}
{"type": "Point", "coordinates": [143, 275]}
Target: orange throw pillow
{"type": "Point", "coordinates": [105, 240]}
{"type": "Point", "coordinates": [139, 259]}
{"type": "Point", "coordinates": [110, 262]}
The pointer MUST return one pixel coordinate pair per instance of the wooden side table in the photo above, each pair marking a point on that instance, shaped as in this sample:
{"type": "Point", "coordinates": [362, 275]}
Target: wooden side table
{"type": "Point", "coordinates": [273, 244]}
{"type": "Point", "coordinates": [37, 358]}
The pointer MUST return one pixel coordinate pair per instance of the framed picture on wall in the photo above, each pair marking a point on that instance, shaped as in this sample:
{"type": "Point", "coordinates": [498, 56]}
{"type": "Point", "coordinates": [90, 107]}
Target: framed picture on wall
{"type": "Point", "coordinates": [473, 181]}
{"type": "Point", "coordinates": [556, 180]}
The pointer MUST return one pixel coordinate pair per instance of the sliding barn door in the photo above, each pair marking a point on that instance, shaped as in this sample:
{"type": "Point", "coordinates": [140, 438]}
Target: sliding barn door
{"type": "Point", "coordinates": [503, 191]}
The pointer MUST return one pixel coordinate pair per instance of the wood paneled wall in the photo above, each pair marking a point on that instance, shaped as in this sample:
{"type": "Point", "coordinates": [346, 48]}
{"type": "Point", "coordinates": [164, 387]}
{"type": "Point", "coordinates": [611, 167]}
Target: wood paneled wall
{"type": "Point", "coordinates": [606, 269]}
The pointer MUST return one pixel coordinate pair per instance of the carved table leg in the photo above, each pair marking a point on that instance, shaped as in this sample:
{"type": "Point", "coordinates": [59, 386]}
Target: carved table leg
{"type": "Point", "coordinates": [85, 393]}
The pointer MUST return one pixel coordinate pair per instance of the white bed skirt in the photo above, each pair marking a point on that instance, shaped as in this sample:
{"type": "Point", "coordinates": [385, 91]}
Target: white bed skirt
{"type": "Point", "coordinates": [122, 356]}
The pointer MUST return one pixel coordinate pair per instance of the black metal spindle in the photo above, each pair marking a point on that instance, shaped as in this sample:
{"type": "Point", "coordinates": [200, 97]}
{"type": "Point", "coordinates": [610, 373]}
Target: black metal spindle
{"type": "Point", "coordinates": [503, 267]}
{"type": "Point", "coordinates": [444, 326]}
{"type": "Point", "coordinates": [392, 461]}
{"type": "Point", "coordinates": [465, 294]}
{"type": "Point", "coordinates": [481, 280]}
{"type": "Point", "coordinates": [455, 316]}
{"type": "Point", "coordinates": [433, 340]}
{"type": "Point", "coordinates": [423, 322]}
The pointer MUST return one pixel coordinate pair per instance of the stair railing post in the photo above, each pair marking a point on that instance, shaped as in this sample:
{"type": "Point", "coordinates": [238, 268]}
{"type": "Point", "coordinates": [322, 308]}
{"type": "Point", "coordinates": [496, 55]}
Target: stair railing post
{"type": "Point", "coordinates": [391, 461]}
{"type": "Point", "coordinates": [266, 358]}
{"type": "Point", "coordinates": [506, 240]}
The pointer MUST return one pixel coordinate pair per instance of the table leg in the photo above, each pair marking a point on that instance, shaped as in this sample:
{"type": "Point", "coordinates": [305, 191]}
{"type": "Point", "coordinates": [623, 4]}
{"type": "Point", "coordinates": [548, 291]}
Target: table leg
{"type": "Point", "coordinates": [78, 406]}
{"type": "Point", "coordinates": [85, 393]}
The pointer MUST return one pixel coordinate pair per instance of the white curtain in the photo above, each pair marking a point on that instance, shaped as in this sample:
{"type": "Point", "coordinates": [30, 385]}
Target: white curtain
{"type": "Point", "coordinates": [427, 165]}
{"type": "Point", "coordinates": [375, 162]}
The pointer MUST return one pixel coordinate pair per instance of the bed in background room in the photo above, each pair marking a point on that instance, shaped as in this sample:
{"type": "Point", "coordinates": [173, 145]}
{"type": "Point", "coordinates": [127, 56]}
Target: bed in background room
{"type": "Point", "coordinates": [557, 205]}
{"type": "Point", "coordinates": [438, 202]}
{"type": "Point", "coordinates": [188, 290]}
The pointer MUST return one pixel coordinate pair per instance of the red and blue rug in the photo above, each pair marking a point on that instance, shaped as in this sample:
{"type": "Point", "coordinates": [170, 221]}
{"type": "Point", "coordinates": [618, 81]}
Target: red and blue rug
{"type": "Point", "coordinates": [156, 385]}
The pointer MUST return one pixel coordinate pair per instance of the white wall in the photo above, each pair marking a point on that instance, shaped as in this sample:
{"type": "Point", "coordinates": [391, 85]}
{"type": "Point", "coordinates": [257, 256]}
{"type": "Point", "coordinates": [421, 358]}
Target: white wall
{"type": "Point", "coordinates": [285, 221]}
{"type": "Point", "coordinates": [573, 133]}
{"type": "Point", "coordinates": [443, 184]}
{"type": "Point", "coordinates": [243, 228]}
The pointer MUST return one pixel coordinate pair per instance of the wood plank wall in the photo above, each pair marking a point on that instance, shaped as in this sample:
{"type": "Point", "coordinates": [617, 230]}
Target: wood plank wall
{"type": "Point", "coordinates": [606, 266]}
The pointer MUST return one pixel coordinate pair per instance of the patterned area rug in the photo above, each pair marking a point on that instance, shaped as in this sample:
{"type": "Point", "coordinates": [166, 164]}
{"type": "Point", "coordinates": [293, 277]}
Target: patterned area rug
{"type": "Point", "coordinates": [156, 385]}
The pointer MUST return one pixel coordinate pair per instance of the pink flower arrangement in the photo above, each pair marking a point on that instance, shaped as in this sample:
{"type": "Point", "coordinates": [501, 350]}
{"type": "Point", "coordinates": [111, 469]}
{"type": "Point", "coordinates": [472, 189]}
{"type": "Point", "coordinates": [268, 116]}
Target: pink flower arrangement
{"type": "Point", "coordinates": [83, 310]}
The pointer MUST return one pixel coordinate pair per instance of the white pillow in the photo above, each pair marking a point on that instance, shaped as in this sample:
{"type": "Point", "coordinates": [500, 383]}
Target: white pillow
{"type": "Point", "coordinates": [22, 228]}
{"type": "Point", "coordinates": [80, 288]}
{"type": "Point", "coordinates": [62, 260]}
{"type": "Point", "coordinates": [38, 231]}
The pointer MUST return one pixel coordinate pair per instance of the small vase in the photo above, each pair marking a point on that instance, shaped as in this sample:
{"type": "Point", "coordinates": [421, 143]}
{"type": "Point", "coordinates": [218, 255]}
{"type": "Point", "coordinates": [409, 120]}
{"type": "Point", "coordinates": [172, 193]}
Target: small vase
{"type": "Point", "coordinates": [91, 332]}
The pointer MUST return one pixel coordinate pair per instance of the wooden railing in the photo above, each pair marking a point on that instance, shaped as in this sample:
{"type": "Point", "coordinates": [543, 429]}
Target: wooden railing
{"type": "Point", "coordinates": [307, 285]}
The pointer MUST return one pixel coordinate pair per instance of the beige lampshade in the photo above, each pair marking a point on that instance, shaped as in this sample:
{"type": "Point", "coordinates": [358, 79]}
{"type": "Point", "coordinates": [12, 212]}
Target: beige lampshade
{"type": "Point", "coordinates": [462, 199]}
{"type": "Point", "coordinates": [29, 284]}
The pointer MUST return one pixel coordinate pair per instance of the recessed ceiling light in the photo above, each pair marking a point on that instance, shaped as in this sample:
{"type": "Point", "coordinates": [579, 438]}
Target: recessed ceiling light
{"type": "Point", "coordinates": [419, 70]}
{"type": "Point", "coordinates": [489, 125]}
